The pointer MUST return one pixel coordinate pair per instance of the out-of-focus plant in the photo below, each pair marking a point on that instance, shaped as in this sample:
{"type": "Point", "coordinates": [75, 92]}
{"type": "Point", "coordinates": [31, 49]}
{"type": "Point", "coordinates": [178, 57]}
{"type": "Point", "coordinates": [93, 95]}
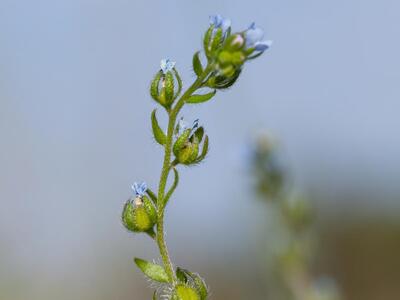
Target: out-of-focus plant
{"type": "Point", "coordinates": [294, 242]}
{"type": "Point", "coordinates": [225, 55]}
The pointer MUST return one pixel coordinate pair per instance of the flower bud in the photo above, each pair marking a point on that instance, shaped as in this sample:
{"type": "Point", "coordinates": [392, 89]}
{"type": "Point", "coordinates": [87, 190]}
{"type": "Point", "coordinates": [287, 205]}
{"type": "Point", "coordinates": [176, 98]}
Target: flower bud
{"type": "Point", "coordinates": [139, 214]}
{"type": "Point", "coordinates": [216, 34]}
{"type": "Point", "coordinates": [184, 292]}
{"type": "Point", "coordinates": [166, 85]}
{"type": "Point", "coordinates": [186, 146]}
{"type": "Point", "coordinates": [235, 42]}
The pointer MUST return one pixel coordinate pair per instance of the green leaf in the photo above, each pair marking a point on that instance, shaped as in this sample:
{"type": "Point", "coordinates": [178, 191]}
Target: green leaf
{"type": "Point", "coordinates": [200, 98]}
{"type": "Point", "coordinates": [155, 295]}
{"type": "Point", "coordinates": [153, 271]}
{"type": "Point", "coordinates": [158, 133]}
{"type": "Point", "coordinates": [197, 67]}
{"type": "Point", "coordinates": [173, 187]}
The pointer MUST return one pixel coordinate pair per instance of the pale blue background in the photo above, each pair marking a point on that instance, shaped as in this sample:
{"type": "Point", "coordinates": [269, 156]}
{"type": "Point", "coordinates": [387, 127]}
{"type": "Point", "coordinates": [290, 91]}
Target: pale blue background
{"type": "Point", "coordinates": [74, 128]}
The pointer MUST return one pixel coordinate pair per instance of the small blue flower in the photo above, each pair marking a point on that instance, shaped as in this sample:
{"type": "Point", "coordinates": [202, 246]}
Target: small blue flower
{"type": "Point", "coordinates": [220, 22]}
{"type": "Point", "coordinates": [254, 38]}
{"type": "Point", "coordinates": [139, 188]}
{"type": "Point", "coordinates": [167, 65]}
{"type": "Point", "coordinates": [182, 126]}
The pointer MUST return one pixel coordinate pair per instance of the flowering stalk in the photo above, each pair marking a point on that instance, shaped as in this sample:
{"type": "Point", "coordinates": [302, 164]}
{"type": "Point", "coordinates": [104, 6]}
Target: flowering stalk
{"type": "Point", "coordinates": [226, 54]}
{"type": "Point", "coordinates": [296, 236]}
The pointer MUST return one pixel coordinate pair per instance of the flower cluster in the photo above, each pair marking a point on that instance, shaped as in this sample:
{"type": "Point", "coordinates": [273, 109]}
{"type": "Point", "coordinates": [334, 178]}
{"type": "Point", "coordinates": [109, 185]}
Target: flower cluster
{"type": "Point", "coordinates": [185, 145]}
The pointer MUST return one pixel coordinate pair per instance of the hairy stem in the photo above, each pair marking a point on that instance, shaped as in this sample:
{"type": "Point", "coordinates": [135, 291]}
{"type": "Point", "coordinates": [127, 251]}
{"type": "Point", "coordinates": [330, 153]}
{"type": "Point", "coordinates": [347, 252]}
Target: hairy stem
{"type": "Point", "coordinates": [165, 172]}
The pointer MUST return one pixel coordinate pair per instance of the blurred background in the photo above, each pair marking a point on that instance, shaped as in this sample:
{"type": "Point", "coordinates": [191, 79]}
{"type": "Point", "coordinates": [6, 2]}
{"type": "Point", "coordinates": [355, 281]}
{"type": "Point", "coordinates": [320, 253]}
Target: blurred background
{"type": "Point", "coordinates": [75, 133]}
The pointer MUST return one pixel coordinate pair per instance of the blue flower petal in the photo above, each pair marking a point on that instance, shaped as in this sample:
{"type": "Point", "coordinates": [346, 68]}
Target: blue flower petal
{"type": "Point", "coordinates": [262, 46]}
{"type": "Point", "coordinates": [167, 65]}
{"type": "Point", "coordinates": [139, 189]}
{"type": "Point", "coordinates": [220, 22]}
{"type": "Point", "coordinates": [253, 35]}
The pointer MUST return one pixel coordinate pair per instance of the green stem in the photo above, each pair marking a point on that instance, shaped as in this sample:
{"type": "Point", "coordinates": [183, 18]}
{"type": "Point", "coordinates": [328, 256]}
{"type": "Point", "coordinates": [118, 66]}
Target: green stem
{"type": "Point", "coordinates": [165, 172]}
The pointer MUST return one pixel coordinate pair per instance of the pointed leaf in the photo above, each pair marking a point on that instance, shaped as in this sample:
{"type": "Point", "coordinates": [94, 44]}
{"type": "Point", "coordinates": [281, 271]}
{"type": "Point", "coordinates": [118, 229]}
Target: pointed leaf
{"type": "Point", "coordinates": [153, 271]}
{"type": "Point", "coordinates": [158, 133]}
{"type": "Point", "coordinates": [173, 187]}
{"type": "Point", "coordinates": [197, 67]}
{"type": "Point", "coordinates": [200, 98]}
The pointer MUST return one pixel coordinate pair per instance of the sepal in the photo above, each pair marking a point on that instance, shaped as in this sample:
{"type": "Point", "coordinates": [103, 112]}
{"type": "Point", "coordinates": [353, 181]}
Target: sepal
{"type": "Point", "coordinates": [194, 280]}
{"type": "Point", "coordinates": [179, 143]}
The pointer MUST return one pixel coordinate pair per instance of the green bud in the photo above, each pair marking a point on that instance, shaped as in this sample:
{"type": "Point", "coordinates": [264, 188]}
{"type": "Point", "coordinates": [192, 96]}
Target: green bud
{"type": "Point", "coordinates": [184, 292]}
{"type": "Point", "coordinates": [179, 144]}
{"type": "Point", "coordinates": [139, 214]}
{"type": "Point", "coordinates": [194, 280]}
{"type": "Point", "coordinates": [165, 88]}
{"type": "Point", "coordinates": [188, 152]}
{"type": "Point", "coordinates": [234, 42]}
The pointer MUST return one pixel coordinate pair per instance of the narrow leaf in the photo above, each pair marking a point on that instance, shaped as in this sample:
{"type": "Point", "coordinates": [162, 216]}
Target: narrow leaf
{"type": "Point", "coordinates": [197, 67]}
{"type": "Point", "coordinates": [155, 295]}
{"type": "Point", "coordinates": [173, 187]}
{"type": "Point", "coordinates": [200, 98]}
{"type": "Point", "coordinates": [153, 271]}
{"type": "Point", "coordinates": [158, 133]}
